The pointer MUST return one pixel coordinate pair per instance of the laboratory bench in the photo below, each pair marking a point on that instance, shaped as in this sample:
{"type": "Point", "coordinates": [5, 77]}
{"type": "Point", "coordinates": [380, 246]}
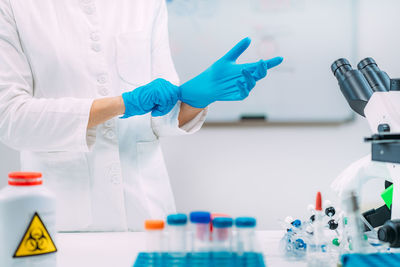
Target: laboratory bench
{"type": "Point", "coordinates": [120, 249]}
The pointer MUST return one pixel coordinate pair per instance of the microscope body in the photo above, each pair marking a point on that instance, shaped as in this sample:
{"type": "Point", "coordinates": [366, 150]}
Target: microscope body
{"type": "Point", "coordinates": [383, 115]}
{"type": "Point", "coordinates": [372, 94]}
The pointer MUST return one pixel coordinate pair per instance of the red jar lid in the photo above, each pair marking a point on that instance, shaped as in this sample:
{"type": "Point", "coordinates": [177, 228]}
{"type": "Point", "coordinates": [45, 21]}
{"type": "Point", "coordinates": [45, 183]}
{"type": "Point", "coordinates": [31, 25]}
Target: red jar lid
{"type": "Point", "coordinates": [25, 178]}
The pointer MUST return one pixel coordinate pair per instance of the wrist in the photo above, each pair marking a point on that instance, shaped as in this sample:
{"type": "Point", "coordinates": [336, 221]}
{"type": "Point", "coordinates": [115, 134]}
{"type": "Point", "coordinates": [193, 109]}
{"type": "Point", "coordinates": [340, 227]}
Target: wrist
{"type": "Point", "coordinates": [120, 105]}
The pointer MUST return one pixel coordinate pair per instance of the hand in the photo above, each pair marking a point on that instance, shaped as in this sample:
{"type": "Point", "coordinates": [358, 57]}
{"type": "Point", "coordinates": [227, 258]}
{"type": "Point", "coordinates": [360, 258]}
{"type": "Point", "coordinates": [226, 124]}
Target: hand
{"type": "Point", "coordinates": [225, 80]}
{"type": "Point", "coordinates": [159, 97]}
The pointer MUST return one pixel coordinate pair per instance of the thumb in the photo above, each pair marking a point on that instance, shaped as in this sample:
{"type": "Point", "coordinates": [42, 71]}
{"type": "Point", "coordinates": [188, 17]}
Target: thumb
{"type": "Point", "coordinates": [237, 50]}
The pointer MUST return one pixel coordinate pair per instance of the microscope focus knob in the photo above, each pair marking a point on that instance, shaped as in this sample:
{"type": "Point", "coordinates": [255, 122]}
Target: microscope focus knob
{"type": "Point", "coordinates": [386, 234]}
{"type": "Point", "coordinates": [390, 232]}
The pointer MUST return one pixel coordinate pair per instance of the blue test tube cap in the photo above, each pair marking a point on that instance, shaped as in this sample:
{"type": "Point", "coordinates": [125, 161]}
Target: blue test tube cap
{"type": "Point", "coordinates": [200, 217]}
{"type": "Point", "coordinates": [177, 219]}
{"type": "Point", "coordinates": [222, 222]}
{"type": "Point", "coordinates": [245, 222]}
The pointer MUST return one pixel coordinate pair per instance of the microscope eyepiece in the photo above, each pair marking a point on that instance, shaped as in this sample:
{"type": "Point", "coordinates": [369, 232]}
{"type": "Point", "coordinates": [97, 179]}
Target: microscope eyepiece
{"type": "Point", "coordinates": [365, 62]}
{"type": "Point", "coordinates": [377, 79]}
{"type": "Point", "coordinates": [342, 64]}
{"type": "Point", "coordinates": [353, 85]}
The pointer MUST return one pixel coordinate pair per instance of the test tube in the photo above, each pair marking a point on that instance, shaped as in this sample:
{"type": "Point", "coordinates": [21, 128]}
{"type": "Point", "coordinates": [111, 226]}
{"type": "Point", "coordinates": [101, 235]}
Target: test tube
{"type": "Point", "coordinates": [245, 236]}
{"type": "Point", "coordinates": [177, 232]}
{"type": "Point", "coordinates": [200, 229]}
{"type": "Point", "coordinates": [215, 215]}
{"type": "Point", "coordinates": [154, 235]}
{"type": "Point", "coordinates": [222, 234]}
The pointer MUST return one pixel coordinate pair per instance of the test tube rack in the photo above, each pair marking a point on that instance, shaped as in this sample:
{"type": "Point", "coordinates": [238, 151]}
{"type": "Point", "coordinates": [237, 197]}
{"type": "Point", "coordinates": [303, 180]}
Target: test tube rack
{"type": "Point", "coordinates": [204, 259]}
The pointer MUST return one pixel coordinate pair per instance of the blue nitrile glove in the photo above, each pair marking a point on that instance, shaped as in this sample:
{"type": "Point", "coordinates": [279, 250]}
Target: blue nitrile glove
{"type": "Point", "coordinates": [159, 97]}
{"type": "Point", "coordinates": [225, 80]}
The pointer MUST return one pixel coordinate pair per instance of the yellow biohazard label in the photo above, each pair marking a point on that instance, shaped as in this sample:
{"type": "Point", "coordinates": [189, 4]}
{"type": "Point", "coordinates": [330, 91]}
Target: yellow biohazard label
{"type": "Point", "coordinates": [36, 240]}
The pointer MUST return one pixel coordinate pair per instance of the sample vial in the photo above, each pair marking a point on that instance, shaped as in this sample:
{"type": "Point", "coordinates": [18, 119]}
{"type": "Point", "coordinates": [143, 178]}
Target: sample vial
{"type": "Point", "coordinates": [27, 222]}
{"type": "Point", "coordinates": [154, 236]}
{"type": "Point", "coordinates": [245, 236]}
{"type": "Point", "coordinates": [200, 231]}
{"type": "Point", "coordinates": [215, 215]}
{"type": "Point", "coordinates": [222, 234]}
{"type": "Point", "coordinates": [177, 232]}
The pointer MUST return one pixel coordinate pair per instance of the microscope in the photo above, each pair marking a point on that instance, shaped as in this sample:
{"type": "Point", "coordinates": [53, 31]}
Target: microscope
{"type": "Point", "coordinates": [372, 94]}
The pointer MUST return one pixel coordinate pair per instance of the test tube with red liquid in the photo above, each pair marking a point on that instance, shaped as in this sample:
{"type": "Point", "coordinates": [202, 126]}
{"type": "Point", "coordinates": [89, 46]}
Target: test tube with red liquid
{"type": "Point", "coordinates": [200, 231]}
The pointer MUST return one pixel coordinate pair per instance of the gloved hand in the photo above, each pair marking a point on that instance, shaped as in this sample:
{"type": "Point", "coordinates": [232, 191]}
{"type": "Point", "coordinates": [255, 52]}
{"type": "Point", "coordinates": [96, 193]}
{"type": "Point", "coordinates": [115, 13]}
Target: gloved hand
{"type": "Point", "coordinates": [225, 80]}
{"type": "Point", "coordinates": [159, 97]}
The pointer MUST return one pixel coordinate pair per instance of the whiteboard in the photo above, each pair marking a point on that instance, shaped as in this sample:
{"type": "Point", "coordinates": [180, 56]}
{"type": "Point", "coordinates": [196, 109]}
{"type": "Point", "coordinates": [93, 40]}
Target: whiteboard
{"type": "Point", "coordinates": [309, 34]}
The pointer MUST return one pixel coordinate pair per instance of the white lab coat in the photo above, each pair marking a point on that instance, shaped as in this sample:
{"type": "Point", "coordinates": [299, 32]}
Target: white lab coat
{"type": "Point", "coordinates": [56, 56]}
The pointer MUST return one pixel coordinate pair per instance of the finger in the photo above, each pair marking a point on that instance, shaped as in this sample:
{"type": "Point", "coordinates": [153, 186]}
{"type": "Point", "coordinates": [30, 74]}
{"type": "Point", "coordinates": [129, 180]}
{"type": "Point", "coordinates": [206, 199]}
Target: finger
{"type": "Point", "coordinates": [237, 50]}
{"type": "Point", "coordinates": [261, 71]}
{"type": "Point", "coordinates": [249, 66]}
{"type": "Point", "coordinates": [273, 62]}
{"type": "Point", "coordinates": [250, 81]}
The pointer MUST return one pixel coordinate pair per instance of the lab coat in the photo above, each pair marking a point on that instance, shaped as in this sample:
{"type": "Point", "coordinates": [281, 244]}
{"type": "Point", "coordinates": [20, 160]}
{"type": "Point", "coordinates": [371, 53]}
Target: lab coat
{"type": "Point", "coordinates": [56, 57]}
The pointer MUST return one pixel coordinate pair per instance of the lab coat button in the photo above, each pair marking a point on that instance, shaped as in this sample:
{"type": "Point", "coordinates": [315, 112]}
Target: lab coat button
{"type": "Point", "coordinates": [102, 79]}
{"type": "Point", "coordinates": [110, 134]}
{"type": "Point", "coordinates": [109, 124]}
{"type": "Point", "coordinates": [96, 47]}
{"type": "Point", "coordinates": [95, 36]}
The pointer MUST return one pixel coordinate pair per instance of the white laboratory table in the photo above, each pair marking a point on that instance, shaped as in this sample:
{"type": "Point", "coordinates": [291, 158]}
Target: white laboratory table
{"type": "Point", "coordinates": [121, 249]}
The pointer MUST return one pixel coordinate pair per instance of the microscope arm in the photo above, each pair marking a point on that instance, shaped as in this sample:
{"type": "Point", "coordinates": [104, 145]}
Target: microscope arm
{"type": "Point", "coordinates": [358, 173]}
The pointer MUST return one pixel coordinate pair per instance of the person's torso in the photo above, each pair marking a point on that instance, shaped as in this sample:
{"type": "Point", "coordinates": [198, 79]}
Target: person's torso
{"type": "Point", "coordinates": [92, 49]}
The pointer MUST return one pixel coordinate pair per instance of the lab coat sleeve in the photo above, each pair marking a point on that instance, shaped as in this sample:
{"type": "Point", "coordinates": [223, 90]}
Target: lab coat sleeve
{"type": "Point", "coordinates": [163, 67]}
{"type": "Point", "coordinates": [29, 123]}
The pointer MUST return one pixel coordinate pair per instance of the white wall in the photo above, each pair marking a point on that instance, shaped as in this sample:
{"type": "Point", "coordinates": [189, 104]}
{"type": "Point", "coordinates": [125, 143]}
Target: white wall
{"type": "Point", "coordinates": [266, 172]}
{"type": "Point", "coordinates": [272, 172]}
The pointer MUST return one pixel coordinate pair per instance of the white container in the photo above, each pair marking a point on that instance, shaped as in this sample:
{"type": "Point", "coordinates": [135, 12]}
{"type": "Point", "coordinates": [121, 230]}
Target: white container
{"type": "Point", "coordinates": [177, 233]}
{"type": "Point", "coordinates": [20, 200]}
{"type": "Point", "coordinates": [222, 234]}
{"type": "Point", "coordinates": [245, 235]}
{"type": "Point", "coordinates": [155, 238]}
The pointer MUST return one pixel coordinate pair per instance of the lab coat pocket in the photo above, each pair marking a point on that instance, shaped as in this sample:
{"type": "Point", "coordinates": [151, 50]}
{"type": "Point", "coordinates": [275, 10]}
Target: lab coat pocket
{"type": "Point", "coordinates": [133, 57]}
{"type": "Point", "coordinates": [155, 181]}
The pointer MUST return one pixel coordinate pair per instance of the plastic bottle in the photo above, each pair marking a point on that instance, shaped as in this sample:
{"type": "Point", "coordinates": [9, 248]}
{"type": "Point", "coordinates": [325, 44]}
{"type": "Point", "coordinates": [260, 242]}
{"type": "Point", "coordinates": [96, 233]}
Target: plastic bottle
{"type": "Point", "coordinates": [27, 222]}
{"type": "Point", "coordinates": [222, 234]}
{"type": "Point", "coordinates": [200, 229]}
{"type": "Point", "coordinates": [155, 242]}
{"type": "Point", "coordinates": [245, 236]}
{"type": "Point", "coordinates": [177, 232]}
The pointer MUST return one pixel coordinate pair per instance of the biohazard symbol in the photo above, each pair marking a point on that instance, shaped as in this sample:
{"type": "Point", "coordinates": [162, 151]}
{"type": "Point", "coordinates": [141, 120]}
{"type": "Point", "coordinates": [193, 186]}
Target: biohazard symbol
{"type": "Point", "coordinates": [36, 240]}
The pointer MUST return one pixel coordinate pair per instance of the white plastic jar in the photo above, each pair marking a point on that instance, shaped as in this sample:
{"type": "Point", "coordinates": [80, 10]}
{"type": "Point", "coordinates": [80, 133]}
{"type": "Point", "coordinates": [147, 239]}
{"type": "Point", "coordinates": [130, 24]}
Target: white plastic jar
{"type": "Point", "coordinates": [27, 222]}
{"type": "Point", "coordinates": [155, 239]}
{"type": "Point", "coordinates": [177, 233]}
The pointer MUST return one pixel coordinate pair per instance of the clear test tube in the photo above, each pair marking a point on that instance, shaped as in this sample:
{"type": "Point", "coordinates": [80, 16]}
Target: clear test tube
{"type": "Point", "coordinates": [222, 234]}
{"type": "Point", "coordinates": [245, 236]}
{"type": "Point", "coordinates": [154, 236]}
{"type": "Point", "coordinates": [200, 231]}
{"type": "Point", "coordinates": [177, 232]}
{"type": "Point", "coordinates": [215, 215]}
